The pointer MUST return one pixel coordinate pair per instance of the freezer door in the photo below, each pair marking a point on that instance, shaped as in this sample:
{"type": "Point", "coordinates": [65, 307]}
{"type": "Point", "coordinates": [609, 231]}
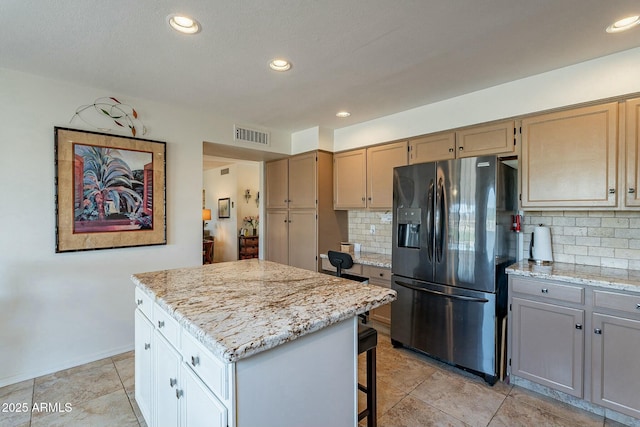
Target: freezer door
{"type": "Point", "coordinates": [465, 223]}
{"type": "Point", "coordinates": [412, 235]}
{"type": "Point", "coordinates": [451, 324]}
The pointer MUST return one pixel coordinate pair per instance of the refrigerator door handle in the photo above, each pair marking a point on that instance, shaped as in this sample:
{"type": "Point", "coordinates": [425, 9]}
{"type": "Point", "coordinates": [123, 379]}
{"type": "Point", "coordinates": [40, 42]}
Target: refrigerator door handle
{"type": "Point", "coordinates": [439, 219]}
{"type": "Point", "coordinates": [430, 222]}
{"type": "Point", "coordinates": [429, 291]}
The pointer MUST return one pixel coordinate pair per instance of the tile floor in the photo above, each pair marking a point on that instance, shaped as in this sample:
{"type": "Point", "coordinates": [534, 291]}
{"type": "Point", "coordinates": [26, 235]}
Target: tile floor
{"type": "Point", "coordinates": [413, 391]}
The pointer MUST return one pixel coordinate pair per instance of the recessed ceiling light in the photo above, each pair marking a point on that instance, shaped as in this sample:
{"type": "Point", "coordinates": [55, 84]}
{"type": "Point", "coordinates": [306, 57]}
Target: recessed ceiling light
{"type": "Point", "coordinates": [343, 114]}
{"type": "Point", "coordinates": [624, 24]}
{"type": "Point", "coordinates": [280, 65]}
{"type": "Point", "coordinates": [183, 24]}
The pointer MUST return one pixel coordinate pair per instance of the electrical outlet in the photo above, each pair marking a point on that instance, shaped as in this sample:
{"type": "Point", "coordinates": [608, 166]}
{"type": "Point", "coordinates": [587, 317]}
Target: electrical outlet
{"type": "Point", "coordinates": [372, 229]}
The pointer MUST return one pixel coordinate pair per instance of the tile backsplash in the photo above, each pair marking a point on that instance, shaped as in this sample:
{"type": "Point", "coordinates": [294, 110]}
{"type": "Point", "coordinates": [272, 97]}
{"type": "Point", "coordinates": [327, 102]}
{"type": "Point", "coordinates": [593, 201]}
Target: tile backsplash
{"type": "Point", "coordinates": [599, 238]}
{"type": "Point", "coordinates": [360, 223]}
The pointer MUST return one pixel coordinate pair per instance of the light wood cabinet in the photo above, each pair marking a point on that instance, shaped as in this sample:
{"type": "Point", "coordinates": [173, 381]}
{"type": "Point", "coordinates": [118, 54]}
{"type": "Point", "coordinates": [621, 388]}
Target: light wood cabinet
{"type": "Point", "coordinates": [350, 179]}
{"type": "Point", "coordinates": [548, 344]}
{"type": "Point", "coordinates": [364, 178]}
{"type": "Point", "coordinates": [497, 138]}
{"type": "Point", "coordinates": [569, 158]}
{"type": "Point", "coordinates": [305, 225]}
{"type": "Point", "coordinates": [381, 277]}
{"type": "Point", "coordinates": [432, 148]}
{"type": "Point", "coordinates": [632, 138]}
{"type": "Point", "coordinates": [277, 184]}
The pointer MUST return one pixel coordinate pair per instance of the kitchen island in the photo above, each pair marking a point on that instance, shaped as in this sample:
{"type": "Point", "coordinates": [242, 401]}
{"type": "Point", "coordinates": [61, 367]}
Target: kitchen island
{"type": "Point", "coordinates": [248, 343]}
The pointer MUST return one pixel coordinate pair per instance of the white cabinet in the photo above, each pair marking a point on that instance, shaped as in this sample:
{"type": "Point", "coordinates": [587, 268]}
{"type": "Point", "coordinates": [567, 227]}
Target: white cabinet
{"type": "Point", "coordinates": [200, 406]}
{"type": "Point", "coordinates": [144, 365]}
{"type": "Point", "coordinates": [167, 382]}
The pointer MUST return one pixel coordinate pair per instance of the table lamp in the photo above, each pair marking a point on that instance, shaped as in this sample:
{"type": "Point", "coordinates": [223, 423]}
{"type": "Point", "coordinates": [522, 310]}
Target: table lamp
{"type": "Point", "coordinates": [206, 216]}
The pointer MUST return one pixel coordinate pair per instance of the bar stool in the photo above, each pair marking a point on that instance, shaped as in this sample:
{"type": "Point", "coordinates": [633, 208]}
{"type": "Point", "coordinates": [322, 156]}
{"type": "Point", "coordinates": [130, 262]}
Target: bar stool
{"type": "Point", "coordinates": [367, 342]}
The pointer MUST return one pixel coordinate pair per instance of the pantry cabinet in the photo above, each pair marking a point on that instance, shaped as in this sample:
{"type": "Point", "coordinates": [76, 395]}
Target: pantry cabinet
{"type": "Point", "coordinates": [632, 139]}
{"type": "Point", "coordinates": [364, 178]}
{"type": "Point", "coordinates": [300, 220]}
{"type": "Point", "coordinates": [569, 158]}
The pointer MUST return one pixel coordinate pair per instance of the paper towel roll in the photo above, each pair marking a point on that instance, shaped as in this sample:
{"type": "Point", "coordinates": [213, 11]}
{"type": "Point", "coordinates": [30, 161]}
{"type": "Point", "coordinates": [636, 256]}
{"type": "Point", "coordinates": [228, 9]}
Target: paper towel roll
{"type": "Point", "coordinates": [541, 248]}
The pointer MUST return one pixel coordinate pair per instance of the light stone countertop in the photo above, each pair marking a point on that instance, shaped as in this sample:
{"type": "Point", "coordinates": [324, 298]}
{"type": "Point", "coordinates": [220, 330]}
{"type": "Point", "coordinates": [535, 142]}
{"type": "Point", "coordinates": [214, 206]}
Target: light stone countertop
{"type": "Point", "coordinates": [613, 278]}
{"type": "Point", "coordinates": [240, 308]}
{"type": "Point", "coordinates": [369, 258]}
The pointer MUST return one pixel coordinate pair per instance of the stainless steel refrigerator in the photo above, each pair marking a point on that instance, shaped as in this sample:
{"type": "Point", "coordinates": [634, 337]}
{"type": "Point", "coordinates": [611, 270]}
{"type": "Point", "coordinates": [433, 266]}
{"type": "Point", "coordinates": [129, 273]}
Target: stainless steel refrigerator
{"type": "Point", "coordinates": [452, 241]}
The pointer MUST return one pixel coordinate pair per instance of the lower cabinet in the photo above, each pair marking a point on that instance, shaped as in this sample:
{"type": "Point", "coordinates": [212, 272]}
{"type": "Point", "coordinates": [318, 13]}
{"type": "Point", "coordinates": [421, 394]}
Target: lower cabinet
{"type": "Point", "coordinates": [381, 277]}
{"type": "Point", "coordinates": [144, 365]}
{"type": "Point", "coordinates": [548, 345]}
{"type": "Point", "coordinates": [615, 374]}
{"type": "Point", "coordinates": [167, 382]}
{"type": "Point", "coordinates": [200, 405]}
{"type": "Point", "coordinates": [565, 337]}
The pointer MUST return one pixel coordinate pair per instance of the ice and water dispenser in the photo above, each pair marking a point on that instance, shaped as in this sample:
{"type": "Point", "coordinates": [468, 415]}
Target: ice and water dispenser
{"type": "Point", "coordinates": [409, 227]}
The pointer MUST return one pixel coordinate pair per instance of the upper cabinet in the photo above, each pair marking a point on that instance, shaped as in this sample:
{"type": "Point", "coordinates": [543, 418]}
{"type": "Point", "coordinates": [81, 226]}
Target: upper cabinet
{"type": "Point", "coordinates": [497, 138]}
{"type": "Point", "coordinates": [632, 138]}
{"type": "Point", "coordinates": [364, 178]}
{"type": "Point", "coordinates": [284, 192]}
{"type": "Point", "coordinates": [569, 158]}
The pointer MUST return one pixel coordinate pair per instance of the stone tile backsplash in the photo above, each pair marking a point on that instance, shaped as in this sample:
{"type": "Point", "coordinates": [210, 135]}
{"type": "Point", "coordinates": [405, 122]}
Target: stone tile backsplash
{"type": "Point", "coordinates": [600, 238]}
{"type": "Point", "coordinates": [360, 223]}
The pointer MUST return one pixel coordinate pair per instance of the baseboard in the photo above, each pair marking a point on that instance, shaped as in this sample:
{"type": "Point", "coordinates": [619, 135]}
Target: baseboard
{"type": "Point", "coordinates": [28, 375]}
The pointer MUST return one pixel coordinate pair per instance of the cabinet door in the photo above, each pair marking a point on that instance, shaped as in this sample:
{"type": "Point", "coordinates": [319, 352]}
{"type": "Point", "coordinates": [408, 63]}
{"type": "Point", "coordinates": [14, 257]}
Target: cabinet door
{"type": "Point", "coordinates": [302, 181]}
{"type": "Point", "coordinates": [497, 138]}
{"type": "Point", "coordinates": [615, 375]}
{"type": "Point", "coordinates": [167, 368]}
{"type": "Point", "coordinates": [548, 345]}
{"type": "Point", "coordinates": [632, 125]}
{"type": "Point", "coordinates": [350, 179]}
{"type": "Point", "coordinates": [569, 158]}
{"type": "Point", "coordinates": [200, 407]}
{"type": "Point", "coordinates": [277, 241]}
{"type": "Point", "coordinates": [144, 365]}
{"type": "Point", "coordinates": [432, 148]}
{"type": "Point", "coordinates": [277, 182]}
{"type": "Point", "coordinates": [380, 163]}
{"type": "Point", "coordinates": [303, 240]}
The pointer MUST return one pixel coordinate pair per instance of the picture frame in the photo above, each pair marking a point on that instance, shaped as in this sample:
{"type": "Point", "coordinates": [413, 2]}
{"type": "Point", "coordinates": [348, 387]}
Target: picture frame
{"type": "Point", "coordinates": [224, 208]}
{"type": "Point", "coordinates": [110, 191]}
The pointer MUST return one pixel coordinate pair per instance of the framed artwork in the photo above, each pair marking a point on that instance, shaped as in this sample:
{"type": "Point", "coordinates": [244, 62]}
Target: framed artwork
{"type": "Point", "coordinates": [110, 191]}
{"type": "Point", "coordinates": [224, 209]}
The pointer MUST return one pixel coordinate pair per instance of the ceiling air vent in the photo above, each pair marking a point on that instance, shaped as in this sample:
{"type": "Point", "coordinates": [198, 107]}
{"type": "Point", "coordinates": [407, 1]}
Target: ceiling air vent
{"type": "Point", "coordinates": [244, 134]}
{"type": "Point", "coordinates": [224, 171]}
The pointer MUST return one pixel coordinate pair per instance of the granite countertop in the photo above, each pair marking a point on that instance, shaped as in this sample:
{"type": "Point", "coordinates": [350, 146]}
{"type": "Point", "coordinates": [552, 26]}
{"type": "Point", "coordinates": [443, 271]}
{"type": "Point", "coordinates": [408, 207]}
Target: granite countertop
{"type": "Point", "coordinates": [369, 258]}
{"type": "Point", "coordinates": [613, 278]}
{"type": "Point", "coordinates": [240, 308]}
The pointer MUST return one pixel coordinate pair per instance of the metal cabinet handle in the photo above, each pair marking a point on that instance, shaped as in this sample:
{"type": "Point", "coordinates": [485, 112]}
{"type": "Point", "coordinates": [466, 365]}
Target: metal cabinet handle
{"type": "Point", "coordinates": [578, 326]}
{"type": "Point", "coordinates": [597, 331]}
{"type": "Point", "coordinates": [195, 360]}
{"type": "Point", "coordinates": [179, 394]}
{"type": "Point", "coordinates": [612, 191]}
{"type": "Point", "coordinates": [460, 148]}
{"type": "Point", "coordinates": [451, 150]}
{"type": "Point", "coordinates": [139, 302]}
{"type": "Point", "coordinates": [160, 323]}
{"type": "Point", "coordinates": [381, 274]}
{"type": "Point", "coordinates": [172, 382]}
{"type": "Point", "coordinates": [147, 346]}
{"type": "Point", "coordinates": [638, 306]}
{"type": "Point", "coordinates": [369, 198]}
{"type": "Point", "coordinates": [632, 190]}
{"type": "Point", "coordinates": [363, 199]}
{"type": "Point", "coordinates": [545, 290]}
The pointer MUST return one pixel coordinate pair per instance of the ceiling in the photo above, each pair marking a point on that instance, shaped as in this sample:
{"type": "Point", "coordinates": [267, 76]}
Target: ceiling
{"type": "Point", "coordinates": [372, 58]}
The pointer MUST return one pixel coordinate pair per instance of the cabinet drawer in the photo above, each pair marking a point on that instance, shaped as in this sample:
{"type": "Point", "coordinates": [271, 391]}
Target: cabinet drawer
{"type": "Point", "coordinates": [617, 301]}
{"type": "Point", "coordinates": [378, 275]}
{"type": "Point", "coordinates": [166, 325]}
{"type": "Point", "coordinates": [212, 371]}
{"type": "Point", "coordinates": [356, 269]}
{"type": "Point", "coordinates": [144, 302]}
{"type": "Point", "coordinates": [545, 289]}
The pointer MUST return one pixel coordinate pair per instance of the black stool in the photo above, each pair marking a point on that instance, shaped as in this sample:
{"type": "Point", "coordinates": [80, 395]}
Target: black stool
{"type": "Point", "coordinates": [367, 341]}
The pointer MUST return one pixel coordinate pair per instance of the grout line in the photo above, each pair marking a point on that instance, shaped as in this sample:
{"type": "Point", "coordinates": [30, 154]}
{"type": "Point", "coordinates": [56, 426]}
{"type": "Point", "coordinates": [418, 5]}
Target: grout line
{"type": "Point", "coordinates": [133, 411]}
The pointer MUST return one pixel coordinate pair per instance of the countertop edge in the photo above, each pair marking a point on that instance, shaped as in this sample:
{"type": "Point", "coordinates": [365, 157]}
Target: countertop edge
{"type": "Point", "coordinates": [570, 273]}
